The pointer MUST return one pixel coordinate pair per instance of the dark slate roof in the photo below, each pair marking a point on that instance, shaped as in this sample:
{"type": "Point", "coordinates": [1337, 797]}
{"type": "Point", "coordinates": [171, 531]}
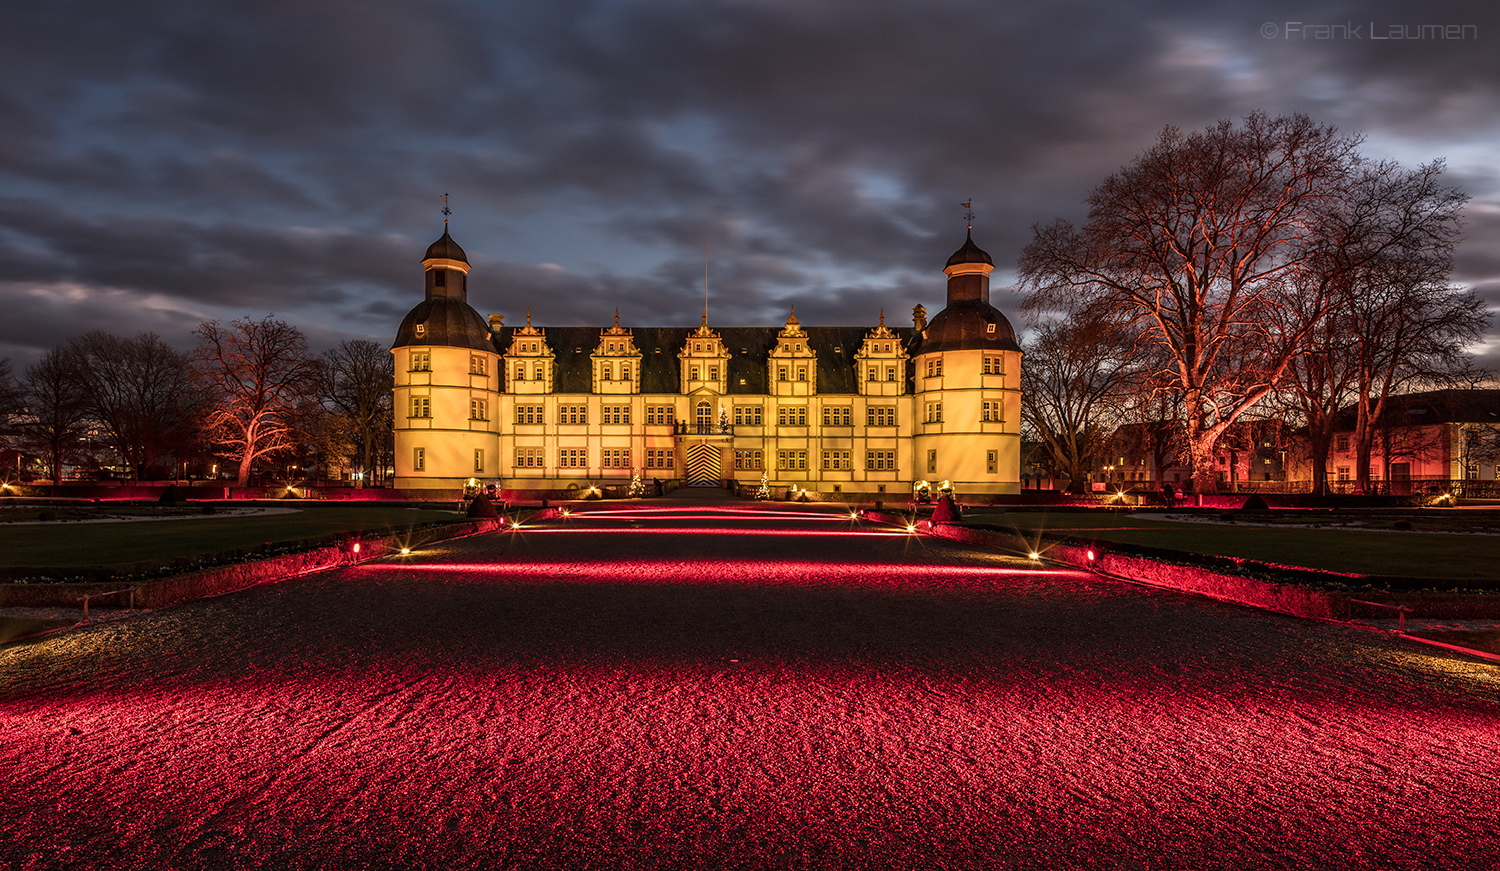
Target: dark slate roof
{"type": "Point", "coordinates": [749, 348]}
{"type": "Point", "coordinates": [445, 248]}
{"type": "Point", "coordinates": [964, 325]}
{"type": "Point", "coordinates": [970, 253]}
{"type": "Point", "coordinates": [450, 323]}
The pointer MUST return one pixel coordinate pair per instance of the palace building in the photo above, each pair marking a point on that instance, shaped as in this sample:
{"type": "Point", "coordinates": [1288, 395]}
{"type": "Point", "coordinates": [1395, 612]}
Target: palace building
{"type": "Point", "coordinates": [853, 410]}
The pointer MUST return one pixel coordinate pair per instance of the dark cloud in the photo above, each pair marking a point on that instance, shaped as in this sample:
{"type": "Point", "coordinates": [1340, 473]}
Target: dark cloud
{"type": "Point", "coordinates": [165, 161]}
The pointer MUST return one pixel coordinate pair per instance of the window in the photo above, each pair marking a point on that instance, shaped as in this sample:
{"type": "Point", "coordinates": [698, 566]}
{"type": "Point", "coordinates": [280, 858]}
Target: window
{"type": "Point", "coordinates": [801, 373]}
{"type": "Point", "coordinates": [839, 415]}
{"type": "Point", "coordinates": [872, 373]}
{"type": "Point", "coordinates": [835, 461]}
{"type": "Point", "coordinates": [880, 415]}
{"type": "Point", "coordinates": [478, 409]}
{"type": "Point", "coordinates": [747, 460]}
{"type": "Point", "coordinates": [1343, 473]}
{"type": "Point", "coordinates": [931, 462]}
{"type": "Point", "coordinates": [477, 365]}
{"type": "Point", "coordinates": [540, 372]}
{"type": "Point", "coordinates": [606, 372]}
{"type": "Point", "coordinates": [1341, 443]}
{"type": "Point", "coordinates": [991, 461]}
{"type": "Point", "coordinates": [747, 415]}
{"type": "Point", "coordinates": [992, 366]}
{"type": "Point", "coordinates": [880, 461]}
{"type": "Point", "coordinates": [573, 458]}
{"type": "Point", "coordinates": [658, 414]}
{"type": "Point", "coordinates": [619, 414]}
{"type": "Point", "coordinates": [421, 361]}
{"type": "Point", "coordinates": [787, 415]}
{"type": "Point", "coordinates": [780, 373]}
{"type": "Point", "coordinates": [419, 459]}
{"type": "Point", "coordinates": [934, 367]}
{"type": "Point", "coordinates": [890, 373]}
{"type": "Point", "coordinates": [420, 330]}
{"type": "Point", "coordinates": [659, 458]}
{"type": "Point", "coordinates": [479, 461]}
{"type": "Point", "coordinates": [616, 458]}
{"type": "Point", "coordinates": [421, 406]}
{"type": "Point", "coordinates": [693, 374]}
{"type": "Point", "coordinates": [703, 416]}
{"type": "Point", "coordinates": [791, 461]}
{"type": "Point", "coordinates": [528, 414]}
{"type": "Point", "coordinates": [439, 278]}
{"type": "Point", "coordinates": [624, 371]}
{"type": "Point", "coordinates": [934, 412]}
{"type": "Point", "coordinates": [528, 458]}
{"type": "Point", "coordinates": [713, 373]}
{"type": "Point", "coordinates": [520, 371]}
{"type": "Point", "coordinates": [990, 411]}
{"type": "Point", "coordinates": [572, 414]}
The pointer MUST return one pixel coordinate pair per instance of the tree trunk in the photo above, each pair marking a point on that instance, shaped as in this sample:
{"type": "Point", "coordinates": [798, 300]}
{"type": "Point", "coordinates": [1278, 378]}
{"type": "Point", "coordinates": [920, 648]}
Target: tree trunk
{"type": "Point", "coordinates": [243, 479]}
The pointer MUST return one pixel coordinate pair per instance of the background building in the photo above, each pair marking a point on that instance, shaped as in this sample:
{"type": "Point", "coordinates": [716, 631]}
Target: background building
{"type": "Point", "coordinates": [854, 410]}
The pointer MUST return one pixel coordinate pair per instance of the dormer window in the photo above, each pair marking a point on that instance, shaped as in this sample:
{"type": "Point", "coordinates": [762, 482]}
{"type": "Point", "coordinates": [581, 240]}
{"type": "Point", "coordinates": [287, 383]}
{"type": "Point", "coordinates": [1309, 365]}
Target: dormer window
{"type": "Point", "coordinates": [420, 330]}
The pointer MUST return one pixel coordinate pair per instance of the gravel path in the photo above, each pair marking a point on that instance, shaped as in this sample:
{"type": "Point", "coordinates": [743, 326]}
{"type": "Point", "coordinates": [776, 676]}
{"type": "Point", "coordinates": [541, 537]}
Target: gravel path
{"type": "Point", "coordinates": [738, 693]}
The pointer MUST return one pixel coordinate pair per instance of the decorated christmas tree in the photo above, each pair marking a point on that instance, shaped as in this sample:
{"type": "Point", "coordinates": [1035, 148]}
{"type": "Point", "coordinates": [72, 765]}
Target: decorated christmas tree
{"type": "Point", "coordinates": [765, 487]}
{"type": "Point", "coordinates": [723, 419]}
{"type": "Point", "coordinates": [636, 487]}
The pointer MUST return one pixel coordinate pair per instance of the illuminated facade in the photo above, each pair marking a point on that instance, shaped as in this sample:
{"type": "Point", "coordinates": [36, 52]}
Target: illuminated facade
{"type": "Point", "coordinates": [855, 410]}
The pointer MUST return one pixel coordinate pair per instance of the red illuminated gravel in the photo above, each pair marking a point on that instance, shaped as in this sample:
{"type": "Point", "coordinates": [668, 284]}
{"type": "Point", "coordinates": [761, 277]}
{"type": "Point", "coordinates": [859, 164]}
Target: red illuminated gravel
{"type": "Point", "coordinates": [715, 700]}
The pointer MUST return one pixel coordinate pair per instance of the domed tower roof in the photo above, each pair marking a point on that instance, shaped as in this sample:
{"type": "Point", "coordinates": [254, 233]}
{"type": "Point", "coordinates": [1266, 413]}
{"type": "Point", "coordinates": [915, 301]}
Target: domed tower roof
{"type": "Point", "coordinates": [444, 318]}
{"type": "Point", "coordinates": [446, 322]}
{"type": "Point", "coordinates": [968, 321]}
{"type": "Point", "coordinates": [967, 325]}
{"type": "Point", "coordinates": [447, 249]}
{"type": "Point", "coordinates": [970, 253]}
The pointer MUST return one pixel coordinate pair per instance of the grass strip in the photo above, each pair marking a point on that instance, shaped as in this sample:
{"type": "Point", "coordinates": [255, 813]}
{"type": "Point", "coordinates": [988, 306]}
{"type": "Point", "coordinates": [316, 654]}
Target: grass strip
{"type": "Point", "coordinates": [1439, 556]}
{"type": "Point", "coordinates": [104, 544]}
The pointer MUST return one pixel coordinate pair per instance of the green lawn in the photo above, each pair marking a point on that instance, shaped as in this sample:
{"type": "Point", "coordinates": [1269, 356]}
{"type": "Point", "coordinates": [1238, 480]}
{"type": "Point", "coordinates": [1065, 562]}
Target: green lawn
{"type": "Point", "coordinates": [96, 544]}
{"type": "Point", "coordinates": [1370, 551]}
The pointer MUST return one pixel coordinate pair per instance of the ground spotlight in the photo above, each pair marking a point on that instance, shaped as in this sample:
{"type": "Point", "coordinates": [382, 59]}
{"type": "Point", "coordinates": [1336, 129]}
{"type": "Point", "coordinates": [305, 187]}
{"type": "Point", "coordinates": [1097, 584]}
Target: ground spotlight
{"type": "Point", "coordinates": [405, 551]}
{"type": "Point", "coordinates": [911, 527]}
{"type": "Point", "coordinates": [1035, 555]}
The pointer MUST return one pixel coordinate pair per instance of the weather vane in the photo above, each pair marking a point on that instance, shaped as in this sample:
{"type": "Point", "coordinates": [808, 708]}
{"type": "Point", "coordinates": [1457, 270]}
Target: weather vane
{"type": "Point", "coordinates": [446, 211]}
{"type": "Point", "coordinates": [968, 212]}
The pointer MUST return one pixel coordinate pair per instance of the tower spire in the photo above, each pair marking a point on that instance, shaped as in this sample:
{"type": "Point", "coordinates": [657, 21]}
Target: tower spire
{"type": "Point", "coordinates": [969, 213]}
{"type": "Point", "coordinates": [704, 322]}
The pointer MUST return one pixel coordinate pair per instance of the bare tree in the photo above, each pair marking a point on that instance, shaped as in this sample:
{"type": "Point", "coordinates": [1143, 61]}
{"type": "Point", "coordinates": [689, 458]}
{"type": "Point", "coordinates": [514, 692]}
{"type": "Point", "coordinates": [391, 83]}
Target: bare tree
{"type": "Point", "coordinates": [1203, 246]}
{"type": "Point", "coordinates": [57, 406]}
{"type": "Point", "coordinates": [1071, 388]}
{"type": "Point", "coordinates": [356, 386]}
{"type": "Point", "coordinates": [254, 374]}
{"type": "Point", "coordinates": [140, 392]}
{"type": "Point", "coordinates": [1409, 326]}
{"type": "Point", "coordinates": [11, 400]}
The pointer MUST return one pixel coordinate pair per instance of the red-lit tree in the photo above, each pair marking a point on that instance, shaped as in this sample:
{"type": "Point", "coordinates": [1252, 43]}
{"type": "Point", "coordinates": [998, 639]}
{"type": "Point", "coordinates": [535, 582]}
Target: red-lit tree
{"type": "Point", "coordinates": [1222, 251]}
{"type": "Point", "coordinates": [256, 375]}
